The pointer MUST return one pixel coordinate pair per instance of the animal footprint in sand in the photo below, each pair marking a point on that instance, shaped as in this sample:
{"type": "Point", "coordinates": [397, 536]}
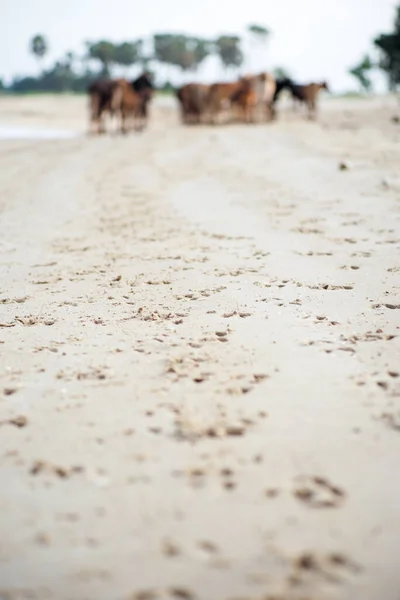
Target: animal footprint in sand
{"type": "Point", "coordinates": [30, 320]}
{"type": "Point", "coordinates": [392, 420]}
{"type": "Point", "coordinates": [187, 429]}
{"type": "Point", "coordinates": [332, 567]}
{"type": "Point", "coordinates": [318, 492]}
{"type": "Point", "coordinates": [173, 593]}
{"type": "Point", "coordinates": [242, 315]}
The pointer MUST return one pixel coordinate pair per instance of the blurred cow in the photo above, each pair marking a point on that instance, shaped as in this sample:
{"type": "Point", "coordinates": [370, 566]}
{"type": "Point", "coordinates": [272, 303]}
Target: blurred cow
{"type": "Point", "coordinates": [192, 98]}
{"type": "Point", "coordinates": [120, 97]}
{"type": "Point", "coordinates": [307, 95]}
{"type": "Point", "coordinates": [100, 96]}
{"type": "Point", "coordinates": [130, 100]}
{"type": "Point", "coordinates": [254, 97]}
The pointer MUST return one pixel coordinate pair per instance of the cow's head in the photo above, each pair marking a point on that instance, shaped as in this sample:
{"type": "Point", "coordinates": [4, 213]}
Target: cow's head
{"type": "Point", "coordinates": [144, 82]}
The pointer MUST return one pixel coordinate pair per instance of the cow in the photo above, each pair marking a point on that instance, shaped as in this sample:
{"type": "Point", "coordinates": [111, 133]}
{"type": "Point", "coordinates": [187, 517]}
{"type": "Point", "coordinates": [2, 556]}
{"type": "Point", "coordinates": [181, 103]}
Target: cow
{"type": "Point", "coordinates": [107, 96]}
{"type": "Point", "coordinates": [192, 98]}
{"type": "Point", "coordinates": [308, 94]}
{"type": "Point", "coordinates": [222, 96]}
{"type": "Point", "coordinates": [254, 97]}
{"type": "Point", "coordinates": [144, 86]}
{"type": "Point", "coordinates": [282, 84]}
{"type": "Point", "coordinates": [244, 99]}
{"type": "Point", "coordinates": [131, 100]}
{"type": "Point", "coordinates": [265, 87]}
{"type": "Point", "coordinates": [100, 95]}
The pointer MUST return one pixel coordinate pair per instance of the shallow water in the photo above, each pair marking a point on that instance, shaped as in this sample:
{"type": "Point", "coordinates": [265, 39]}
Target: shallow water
{"type": "Point", "coordinates": [12, 132]}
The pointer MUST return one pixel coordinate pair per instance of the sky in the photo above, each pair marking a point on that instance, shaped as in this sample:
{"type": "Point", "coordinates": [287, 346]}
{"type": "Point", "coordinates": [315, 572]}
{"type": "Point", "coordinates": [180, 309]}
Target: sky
{"type": "Point", "coordinates": [312, 39]}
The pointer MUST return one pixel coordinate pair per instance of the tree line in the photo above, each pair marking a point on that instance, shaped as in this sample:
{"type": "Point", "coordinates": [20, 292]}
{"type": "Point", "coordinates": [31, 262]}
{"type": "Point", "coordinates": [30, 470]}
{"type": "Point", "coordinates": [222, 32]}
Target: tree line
{"type": "Point", "coordinates": [388, 46]}
{"type": "Point", "coordinates": [167, 52]}
{"type": "Point", "coordinates": [172, 52]}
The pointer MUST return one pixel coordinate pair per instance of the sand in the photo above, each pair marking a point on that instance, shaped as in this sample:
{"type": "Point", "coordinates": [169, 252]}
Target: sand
{"type": "Point", "coordinates": [200, 357]}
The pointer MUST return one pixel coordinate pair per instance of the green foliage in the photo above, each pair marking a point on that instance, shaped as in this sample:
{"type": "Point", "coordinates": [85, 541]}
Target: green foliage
{"type": "Point", "coordinates": [179, 50]}
{"type": "Point", "coordinates": [259, 32]}
{"type": "Point", "coordinates": [281, 73]}
{"type": "Point", "coordinates": [38, 46]}
{"type": "Point", "coordinates": [60, 78]}
{"type": "Point", "coordinates": [229, 50]}
{"type": "Point", "coordinates": [107, 54]}
{"type": "Point", "coordinates": [127, 53]}
{"type": "Point", "coordinates": [389, 46]}
{"type": "Point", "coordinates": [102, 51]}
{"type": "Point", "coordinates": [360, 72]}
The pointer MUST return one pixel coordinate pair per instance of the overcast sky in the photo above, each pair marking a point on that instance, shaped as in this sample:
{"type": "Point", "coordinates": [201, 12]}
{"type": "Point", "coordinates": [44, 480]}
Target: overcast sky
{"type": "Point", "coordinates": [313, 39]}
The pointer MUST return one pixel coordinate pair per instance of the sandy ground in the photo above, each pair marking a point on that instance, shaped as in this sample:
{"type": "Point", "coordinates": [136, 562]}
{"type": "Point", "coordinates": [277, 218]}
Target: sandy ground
{"type": "Point", "coordinates": [200, 358]}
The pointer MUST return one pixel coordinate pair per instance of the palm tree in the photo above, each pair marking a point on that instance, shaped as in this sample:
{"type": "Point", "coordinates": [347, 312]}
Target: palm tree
{"type": "Point", "coordinates": [38, 47]}
{"type": "Point", "coordinates": [258, 35]}
{"type": "Point", "coordinates": [104, 52]}
{"type": "Point", "coordinates": [228, 49]}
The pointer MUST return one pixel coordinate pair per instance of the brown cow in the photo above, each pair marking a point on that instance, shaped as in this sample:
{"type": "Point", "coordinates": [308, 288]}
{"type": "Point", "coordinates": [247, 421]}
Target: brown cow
{"type": "Point", "coordinates": [193, 102]}
{"type": "Point", "coordinates": [308, 94]}
{"type": "Point", "coordinates": [106, 97]}
{"type": "Point", "coordinates": [254, 97]}
{"type": "Point", "coordinates": [100, 96]}
{"type": "Point", "coordinates": [244, 100]}
{"type": "Point", "coordinates": [143, 85]}
{"type": "Point", "coordinates": [222, 96]}
{"type": "Point", "coordinates": [127, 103]}
{"type": "Point", "coordinates": [266, 88]}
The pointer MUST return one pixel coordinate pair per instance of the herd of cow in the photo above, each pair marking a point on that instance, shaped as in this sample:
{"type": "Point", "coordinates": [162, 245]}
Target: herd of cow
{"type": "Point", "coordinates": [250, 99]}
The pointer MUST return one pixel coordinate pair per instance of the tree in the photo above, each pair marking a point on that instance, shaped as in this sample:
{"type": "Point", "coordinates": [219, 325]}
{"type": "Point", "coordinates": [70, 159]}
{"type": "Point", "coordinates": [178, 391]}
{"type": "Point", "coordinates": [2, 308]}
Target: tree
{"type": "Point", "coordinates": [60, 78]}
{"type": "Point", "coordinates": [163, 48]}
{"type": "Point", "coordinates": [389, 46]}
{"type": "Point", "coordinates": [127, 53]}
{"type": "Point", "coordinates": [360, 72]}
{"type": "Point", "coordinates": [229, 51]}
{"type": "Point", "coordinates": [38, 47]}
{"type": "Point", "coordinates": [70, 59]}
{"type": "Point", "coordinates": [182, 51]}
{"type": "Point", "coordinates": [198, 50]}
{"type": "Point", "coordinates": [190, 52]}
{"type": "Point", "coordinates": [257, 37]}
{"type": "Point", "coordinates": [259, 33]}
{"type": "Point", "coordinates": [104, 52]}
{"type": "Point", "coordinates": [281, 73]}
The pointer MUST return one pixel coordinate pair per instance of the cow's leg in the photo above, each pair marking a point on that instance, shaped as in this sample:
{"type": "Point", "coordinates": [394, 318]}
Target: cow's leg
{"type": "Point", "coordinates": [123, 121]}
{"type": "Point", "coordinates": [214, 120]}
{"type": "Point", "coordinates": [146, 115]}
{"type": "Point", "coordinates": [140, 120]}
{"type": "Point", "coordinates": [92, 113]}
{"type": "Point", "coordinates": [95, 114]}
{"type": "Point", "coordinates": [143, 116]}
{"type": "Point", "coordinates": [103, 108]}
{"type": "Point", "coordinates": [314, 109]}
{"type": "Point", "coordinates": [297, 104]}
{"type": "Point", "coordinates": [137, 119]}
{"type": "Point", "coordinates": [271, 111]}
{"type": "Point", "coordinates": [311, 110]}
{"type": "Point", "coordinates": [100, 123]}
{"type": "Point", "coordinates": [246, 113]}
{"type": "Point", "coordinates": [249, 113]}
